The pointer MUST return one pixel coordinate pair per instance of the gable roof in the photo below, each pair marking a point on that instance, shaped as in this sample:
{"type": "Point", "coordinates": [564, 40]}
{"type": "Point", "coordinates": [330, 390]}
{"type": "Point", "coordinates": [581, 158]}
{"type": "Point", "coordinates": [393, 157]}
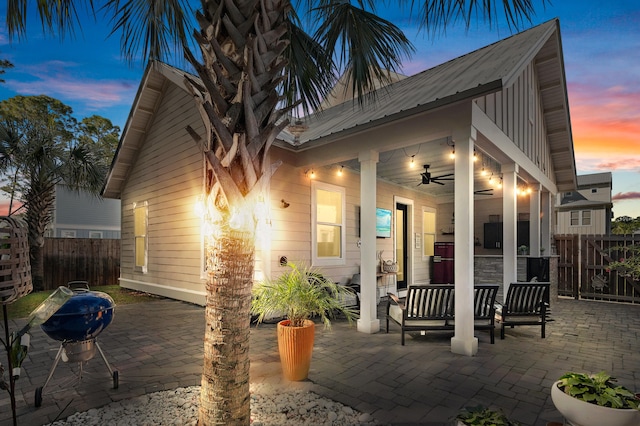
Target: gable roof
{"type": "Point", "coordinates": [475, 74]}
{"type": "Point", "coordinates": [478, 73]}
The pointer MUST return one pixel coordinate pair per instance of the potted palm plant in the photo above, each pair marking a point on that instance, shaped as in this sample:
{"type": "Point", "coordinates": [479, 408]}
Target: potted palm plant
{"type": "Point", "coordinates": [299, 294]}
{"type": "Point", "coordinates": [595, 399]}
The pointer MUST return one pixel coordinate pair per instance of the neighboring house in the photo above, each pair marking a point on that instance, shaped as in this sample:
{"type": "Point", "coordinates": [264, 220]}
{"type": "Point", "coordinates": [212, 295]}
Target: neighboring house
{"type": "Point", "coordinates": [504, 106]}
{"type": "Point", "coordinates": [587, 210]}
{"type": "Point", "coordinates": [82, 215]}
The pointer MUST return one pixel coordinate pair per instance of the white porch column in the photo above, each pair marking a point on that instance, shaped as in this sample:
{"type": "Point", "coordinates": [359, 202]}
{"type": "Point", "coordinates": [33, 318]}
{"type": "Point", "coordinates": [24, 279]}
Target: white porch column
{"type": "Point", "coordinates": [546, 209]}
{"type": "Point", "coordinates": [463, 342]}
{"type": "Point", "coordinates": [534, 220]}
{"type": "Point", "coordinates": [368, 321]}
{"type": "Point", "coordinates": [510, 225]}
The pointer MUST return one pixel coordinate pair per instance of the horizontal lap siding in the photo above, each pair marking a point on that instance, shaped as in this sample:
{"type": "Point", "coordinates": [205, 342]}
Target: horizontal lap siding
{"type": "Point", "coordinates": [167, 174]}
{"type": "Point", "coordinates": [291, 226]}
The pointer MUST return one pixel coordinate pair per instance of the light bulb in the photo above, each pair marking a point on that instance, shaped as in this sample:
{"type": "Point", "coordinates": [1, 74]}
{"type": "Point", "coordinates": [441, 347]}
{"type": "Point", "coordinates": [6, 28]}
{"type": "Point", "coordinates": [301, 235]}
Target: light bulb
{"type": "Point", "coordinates": [453, 154]}
{"type": "Point", "coordinates": [412, 164]}
{"type": "Point", "coordinates": [340, 170]}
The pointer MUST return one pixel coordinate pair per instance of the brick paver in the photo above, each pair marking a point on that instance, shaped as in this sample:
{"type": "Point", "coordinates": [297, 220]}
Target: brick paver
{"type": "Point", "coordinates": [158, 345]}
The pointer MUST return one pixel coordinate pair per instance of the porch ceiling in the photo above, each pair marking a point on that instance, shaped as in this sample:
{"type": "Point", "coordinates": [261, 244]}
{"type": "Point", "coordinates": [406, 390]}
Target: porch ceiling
{"type": "Point", "coordinates": [394, 166]}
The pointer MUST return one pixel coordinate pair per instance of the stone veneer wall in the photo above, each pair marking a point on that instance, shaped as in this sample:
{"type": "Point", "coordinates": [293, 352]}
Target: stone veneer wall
{"type": "Point", "coordinates": [489, 270]}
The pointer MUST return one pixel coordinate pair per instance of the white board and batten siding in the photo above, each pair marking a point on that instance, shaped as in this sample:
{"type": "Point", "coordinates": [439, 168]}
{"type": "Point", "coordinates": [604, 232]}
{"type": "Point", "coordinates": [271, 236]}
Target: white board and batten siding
{"type": "Point", "coordinates": [168, 176]}
{"type": "Point", "coordinates": [598, 226]}
{"type": "Point", "coordinates": [517, 111]}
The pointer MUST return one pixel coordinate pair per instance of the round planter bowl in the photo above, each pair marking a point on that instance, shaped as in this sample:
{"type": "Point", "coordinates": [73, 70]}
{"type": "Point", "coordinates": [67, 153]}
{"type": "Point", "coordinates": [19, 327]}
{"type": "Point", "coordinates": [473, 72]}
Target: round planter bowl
{"type": "Point", "coordinates": [295, 345]}
{"type": "Point", "coordinates": [581, 413]}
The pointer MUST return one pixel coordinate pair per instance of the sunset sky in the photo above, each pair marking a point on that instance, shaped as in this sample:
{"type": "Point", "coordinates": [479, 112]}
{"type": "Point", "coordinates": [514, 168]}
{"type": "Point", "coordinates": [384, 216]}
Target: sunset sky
{"type": "Point", "coordinates": [601, 44]}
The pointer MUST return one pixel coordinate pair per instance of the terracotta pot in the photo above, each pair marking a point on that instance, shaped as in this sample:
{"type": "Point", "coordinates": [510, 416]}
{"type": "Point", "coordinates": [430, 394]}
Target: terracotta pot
{"type": "Point", "coordinates": [581, 413]}
{"type": "Point", "coordinates": [295, 345]}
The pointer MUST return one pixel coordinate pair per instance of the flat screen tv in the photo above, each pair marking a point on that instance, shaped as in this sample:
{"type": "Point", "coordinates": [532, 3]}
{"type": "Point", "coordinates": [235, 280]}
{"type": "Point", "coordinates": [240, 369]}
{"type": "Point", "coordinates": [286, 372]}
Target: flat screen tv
{"type": "Point", "coordinates": [383, 223]}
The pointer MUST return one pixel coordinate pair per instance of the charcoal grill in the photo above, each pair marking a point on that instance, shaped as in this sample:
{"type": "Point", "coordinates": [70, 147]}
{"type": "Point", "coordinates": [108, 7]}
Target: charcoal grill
{"type": "Point", "coordinates": [77, 325]}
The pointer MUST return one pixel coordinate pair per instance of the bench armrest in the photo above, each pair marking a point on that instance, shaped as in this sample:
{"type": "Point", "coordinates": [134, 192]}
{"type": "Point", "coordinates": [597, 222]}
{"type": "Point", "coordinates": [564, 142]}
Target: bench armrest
{"type": "Point", "coordinates": [395, 299]}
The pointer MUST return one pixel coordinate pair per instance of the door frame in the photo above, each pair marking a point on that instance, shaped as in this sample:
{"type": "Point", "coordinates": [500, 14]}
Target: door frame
{"type": "Point", "coordinates": [409, 239]}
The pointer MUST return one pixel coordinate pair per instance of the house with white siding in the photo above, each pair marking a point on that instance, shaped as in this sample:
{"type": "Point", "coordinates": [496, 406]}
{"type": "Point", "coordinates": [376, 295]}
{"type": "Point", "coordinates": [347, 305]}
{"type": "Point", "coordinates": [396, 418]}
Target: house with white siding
{"type": "Point", "coordinates": [588, 209]}
{"type": "Point", "coordinates": [482, 139]}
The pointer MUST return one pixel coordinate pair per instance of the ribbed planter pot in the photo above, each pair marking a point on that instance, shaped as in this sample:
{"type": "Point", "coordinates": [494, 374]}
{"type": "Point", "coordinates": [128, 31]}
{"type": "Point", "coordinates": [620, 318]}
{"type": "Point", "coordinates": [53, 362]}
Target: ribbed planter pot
{"type": "Point", "coordinates": [295, 345]}
{"type": "Point", "coordinates": [581, 413]}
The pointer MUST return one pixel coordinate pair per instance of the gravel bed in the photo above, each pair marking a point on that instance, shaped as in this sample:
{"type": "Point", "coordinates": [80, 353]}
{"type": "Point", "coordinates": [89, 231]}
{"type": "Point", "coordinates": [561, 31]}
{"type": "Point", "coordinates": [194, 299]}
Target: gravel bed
{"type": "Point", "coordinates": [180, 407]}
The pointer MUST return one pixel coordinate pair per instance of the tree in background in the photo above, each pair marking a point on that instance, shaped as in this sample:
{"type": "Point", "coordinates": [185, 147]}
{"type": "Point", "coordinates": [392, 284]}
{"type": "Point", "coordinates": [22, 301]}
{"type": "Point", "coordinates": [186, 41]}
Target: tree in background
{"type": "Point", "coordinates": [625, 225]}
{"type": "Point", "coordinates": [256, 64]}
{"type": "Point", "coordinates": [4, 65]}
{"type": "Point", "coordinates": [42, 145]}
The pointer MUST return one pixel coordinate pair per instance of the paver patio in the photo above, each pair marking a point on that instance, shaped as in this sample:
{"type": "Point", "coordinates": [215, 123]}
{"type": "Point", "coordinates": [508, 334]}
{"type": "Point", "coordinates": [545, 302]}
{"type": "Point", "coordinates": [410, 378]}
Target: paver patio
{"type": "Point", "coordinates": [158, 346]}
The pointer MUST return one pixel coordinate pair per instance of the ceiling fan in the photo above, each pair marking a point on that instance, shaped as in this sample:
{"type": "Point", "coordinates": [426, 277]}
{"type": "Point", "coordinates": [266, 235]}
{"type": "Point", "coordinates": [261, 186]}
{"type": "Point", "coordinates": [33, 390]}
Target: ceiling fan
{"type": "Point", "coordinates": [427, 178]}
{"type": "Point", "coordinates": [488, 191]}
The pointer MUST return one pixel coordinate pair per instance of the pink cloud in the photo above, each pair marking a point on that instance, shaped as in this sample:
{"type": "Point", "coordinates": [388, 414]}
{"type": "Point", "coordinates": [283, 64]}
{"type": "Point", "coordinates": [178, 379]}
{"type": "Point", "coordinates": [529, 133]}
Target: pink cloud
{"type": "Point", "coordinates": [626, 196]}
{"type": "Point", "coordinates": [621, 164]}
{"type": "Point", "coordinates": [61, 80]}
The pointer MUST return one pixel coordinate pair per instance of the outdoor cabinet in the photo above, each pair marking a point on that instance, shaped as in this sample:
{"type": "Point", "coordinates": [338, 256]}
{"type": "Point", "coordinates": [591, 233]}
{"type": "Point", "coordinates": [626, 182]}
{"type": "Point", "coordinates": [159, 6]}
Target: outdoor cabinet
{"type": "Point", "coordinates": [493, 234]}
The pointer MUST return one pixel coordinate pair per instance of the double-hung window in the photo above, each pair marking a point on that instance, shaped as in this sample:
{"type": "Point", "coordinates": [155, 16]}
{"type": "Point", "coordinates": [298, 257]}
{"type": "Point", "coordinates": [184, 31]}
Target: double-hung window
{"type": "Point", "coordinates": [328, 231]}
{"type": "Point", "coordinates": [140, 225]}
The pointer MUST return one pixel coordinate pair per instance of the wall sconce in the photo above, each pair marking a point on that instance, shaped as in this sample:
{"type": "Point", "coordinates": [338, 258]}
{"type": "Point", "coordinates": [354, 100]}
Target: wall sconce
{"type": "Point", "coordinates": [284, 204]}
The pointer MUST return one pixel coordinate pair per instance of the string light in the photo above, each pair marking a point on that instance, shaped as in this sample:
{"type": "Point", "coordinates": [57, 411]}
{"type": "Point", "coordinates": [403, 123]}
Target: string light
{"type": "Point", "coordinates": [412, 163]}
{"type": "Point", "coordinates": [475, 155]}
{"type": "Point", "coordinates": [453, 152]}
{"type": "Point", "coordinates": [340, 170]}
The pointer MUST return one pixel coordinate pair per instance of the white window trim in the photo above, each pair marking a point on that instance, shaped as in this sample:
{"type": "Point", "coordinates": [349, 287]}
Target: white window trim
{"type": "Point", "coordinates": [581, 218]}
{"type": "Point", "coordinates": [423, 242]}
{"type": "Point", "coordinates": [142, 268]}
{"type": "Point", "coordinates": [331, 261]}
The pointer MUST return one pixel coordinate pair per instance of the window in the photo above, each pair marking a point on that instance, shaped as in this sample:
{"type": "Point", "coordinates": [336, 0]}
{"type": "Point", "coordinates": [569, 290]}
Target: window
{"type": "Point", "coordinates": [95, 234]}
{"type": "Point", "coordinates": [67, 233]}
{"type": "Point", "coordinates": [581, 218]}
{"type": "Point", "coordinates": [428, 231]}
{"type": "Point", "coordinates": [328, 224]}
{"type": "Point", "coordinates": [575, 218]}
{"type": "Point", "coordinates": [140, 223]}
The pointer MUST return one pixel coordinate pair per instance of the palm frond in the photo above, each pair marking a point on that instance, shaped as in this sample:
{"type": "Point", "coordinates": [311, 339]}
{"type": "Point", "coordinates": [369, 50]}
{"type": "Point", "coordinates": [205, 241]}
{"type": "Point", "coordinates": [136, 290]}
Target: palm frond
{"type": "Point", "coordinates": [437, 15]}
{"type": "Point", "coordinates": [59, 16]}
{"type": "Point", "coordinates": [366, 46]}
{"type": "Point", "coordinates": [154, 28]}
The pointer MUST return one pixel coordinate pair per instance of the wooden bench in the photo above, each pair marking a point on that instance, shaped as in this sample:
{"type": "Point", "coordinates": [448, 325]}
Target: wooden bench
{"type": "Point", "coordinates": [526, 304]}
{"type": "Point", "coordinates": [431, 307]}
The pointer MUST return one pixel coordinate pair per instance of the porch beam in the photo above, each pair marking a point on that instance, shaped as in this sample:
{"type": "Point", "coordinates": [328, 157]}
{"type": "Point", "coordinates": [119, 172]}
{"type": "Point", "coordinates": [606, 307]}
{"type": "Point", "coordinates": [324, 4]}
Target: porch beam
{"type": "Point", "coordinates": [510, 225]}
{"type": "Point", "coordinates": [368, 321]}
{"type": "Point", "coordinates": [464, 342]}
{"type": "Point", "coordinates": [546, 209]}
{"type": "Point", "coordinates": [534, 220]}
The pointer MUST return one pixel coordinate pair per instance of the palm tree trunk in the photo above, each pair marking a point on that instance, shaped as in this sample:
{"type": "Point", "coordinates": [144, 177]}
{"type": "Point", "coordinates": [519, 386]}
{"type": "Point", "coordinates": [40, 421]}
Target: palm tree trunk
{"type": "Point", "coordinates": [38, 217]}
{"type": "Point", "coordinates": [225, 397]}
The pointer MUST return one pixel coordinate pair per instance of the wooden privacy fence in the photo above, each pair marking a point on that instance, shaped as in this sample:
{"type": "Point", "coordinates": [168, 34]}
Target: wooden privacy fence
{"type": "Point", "coordinates": [583, 268]}
{"type": "Point", "coordinates": [90, 259]}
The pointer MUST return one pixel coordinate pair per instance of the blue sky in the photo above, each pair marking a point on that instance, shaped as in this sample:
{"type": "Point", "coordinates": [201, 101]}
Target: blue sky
{"type": "Point", "coordinates": [601, 41]}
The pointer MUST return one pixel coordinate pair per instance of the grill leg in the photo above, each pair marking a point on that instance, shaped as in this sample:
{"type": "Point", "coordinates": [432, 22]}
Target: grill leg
{"type": "Point", "coordinates": [53, 367]}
